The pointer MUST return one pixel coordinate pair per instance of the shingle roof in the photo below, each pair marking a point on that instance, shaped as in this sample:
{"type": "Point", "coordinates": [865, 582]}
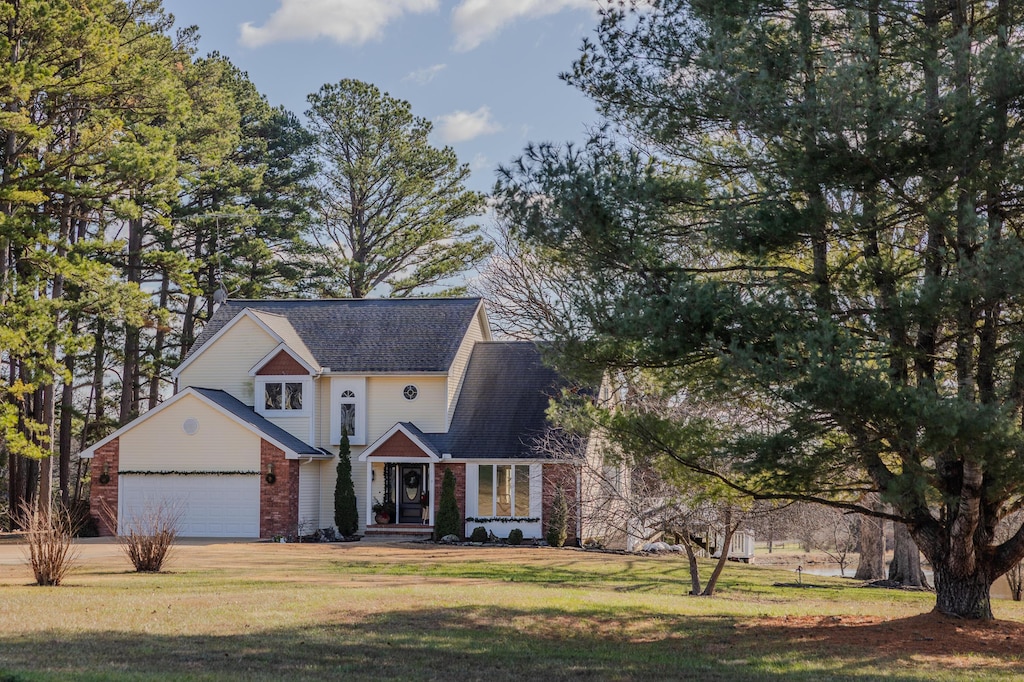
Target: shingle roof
{"type": "Point", "coordinates": [247, 414]}
{"type": "Point", "coordinates": [425, 438]}
{"type": "Point", "coordinates": [283, 328]}
{"type": "Point", "coordinates": [366, 335]}
{"type": "Point", "coordinates": [503, 403]}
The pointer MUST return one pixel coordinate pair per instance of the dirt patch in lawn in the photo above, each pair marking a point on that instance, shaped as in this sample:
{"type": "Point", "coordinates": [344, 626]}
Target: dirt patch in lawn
{"type": "Point", "coordinates": [943, 639]}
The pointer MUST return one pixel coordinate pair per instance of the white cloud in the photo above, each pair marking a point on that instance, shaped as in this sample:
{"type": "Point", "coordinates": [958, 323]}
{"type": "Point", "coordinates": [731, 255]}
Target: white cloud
{"type": "Point", "coordinates": [352, 22]}
{"type": "Point", "coordinates": [474, 21]}
{"type": "Point", "coordinates": [426, 74]}
{"type": "Point", "coordinates": [460, 126]}
{"type": "Point", "coordinates": [479, 163]}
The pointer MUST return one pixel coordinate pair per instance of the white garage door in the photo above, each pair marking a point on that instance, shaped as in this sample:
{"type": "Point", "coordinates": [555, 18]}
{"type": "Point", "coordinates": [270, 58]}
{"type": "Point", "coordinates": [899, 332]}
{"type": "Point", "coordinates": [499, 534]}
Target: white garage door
{"type": "Point", "coordinates": [207, 506]}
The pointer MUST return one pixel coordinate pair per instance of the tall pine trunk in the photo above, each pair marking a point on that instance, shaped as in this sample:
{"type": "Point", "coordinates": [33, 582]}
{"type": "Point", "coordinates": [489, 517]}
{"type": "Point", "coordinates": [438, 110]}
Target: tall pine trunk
{"type": "Point", "coordinates": [130, 370]}
{"type": "Point", "coordinates": [871, 565]}
{"type": "Point", "coordinates": [905, 567]}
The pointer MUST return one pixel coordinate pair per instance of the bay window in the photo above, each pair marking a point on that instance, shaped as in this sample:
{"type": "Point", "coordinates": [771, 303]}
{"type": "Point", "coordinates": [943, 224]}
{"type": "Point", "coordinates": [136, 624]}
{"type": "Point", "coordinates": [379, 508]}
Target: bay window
{"type": "Point", "coordinates": [503, 490]}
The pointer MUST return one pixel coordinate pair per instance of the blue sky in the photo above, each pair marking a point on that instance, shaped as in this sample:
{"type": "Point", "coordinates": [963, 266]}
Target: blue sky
{"type": "Point", "coordinates": [484, 71]}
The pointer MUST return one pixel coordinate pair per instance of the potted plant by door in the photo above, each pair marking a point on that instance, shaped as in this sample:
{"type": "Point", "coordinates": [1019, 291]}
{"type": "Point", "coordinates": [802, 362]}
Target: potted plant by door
{"type": "Point", "coordinates": [381, 513]}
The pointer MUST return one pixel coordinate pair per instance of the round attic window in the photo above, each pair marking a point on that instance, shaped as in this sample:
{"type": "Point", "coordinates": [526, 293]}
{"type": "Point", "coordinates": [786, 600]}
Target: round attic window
{"type": "Point", "coordinates": [410, 392]}
{"type": "Point", "coordinates": [190, 426]}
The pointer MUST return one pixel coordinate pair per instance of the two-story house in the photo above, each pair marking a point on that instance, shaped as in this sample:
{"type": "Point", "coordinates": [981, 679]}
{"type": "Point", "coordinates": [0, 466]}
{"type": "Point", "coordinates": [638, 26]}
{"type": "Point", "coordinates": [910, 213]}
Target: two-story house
{"type": "Point", "coordinates": [247, 445]}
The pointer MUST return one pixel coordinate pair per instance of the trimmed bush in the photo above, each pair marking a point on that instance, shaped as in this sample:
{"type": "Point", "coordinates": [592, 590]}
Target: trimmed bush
{"type": "Point", "coordinates": [515, 537]}
{"type": "Point", "coordinates": [479, 534]}
{"type": "Point", "coordinates": [448, 521]}
{"type": "Point", "coordinates": [346, 516]}
{"type": "Point", "coordinates": [558, 528]}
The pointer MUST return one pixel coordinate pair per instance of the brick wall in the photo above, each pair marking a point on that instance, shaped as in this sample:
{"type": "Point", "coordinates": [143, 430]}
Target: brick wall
{"type": "Point", "coordinates": [460, 487]}
{"type": "Point", "coordinates": [563, 475]}
{"type": "Point", "coordinates": [279, 502]}
{"type": "Point", "coordinates": [103, 496]}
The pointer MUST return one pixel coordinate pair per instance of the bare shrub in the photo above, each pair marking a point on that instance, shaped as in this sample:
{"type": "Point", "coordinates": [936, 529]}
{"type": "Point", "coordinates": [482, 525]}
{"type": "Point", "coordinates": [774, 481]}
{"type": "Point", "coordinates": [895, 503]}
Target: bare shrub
{"type": "Point", "coordinates": [1015, 579]}
{"type": "Point", "coordinates": [147, 537]}
{"type": "Point", "coordinates": [1015, 576]}
{"type": "Point", "coordinates": [50, 552]}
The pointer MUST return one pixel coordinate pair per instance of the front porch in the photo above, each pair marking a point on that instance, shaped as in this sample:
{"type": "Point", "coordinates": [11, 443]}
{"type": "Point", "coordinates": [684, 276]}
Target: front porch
{"type": "Point", "coordinates": [400, 531]}
{"type": "Point", "coordinates": [400, 496]}
{"type": "Point", "coordinates": [400, 482]}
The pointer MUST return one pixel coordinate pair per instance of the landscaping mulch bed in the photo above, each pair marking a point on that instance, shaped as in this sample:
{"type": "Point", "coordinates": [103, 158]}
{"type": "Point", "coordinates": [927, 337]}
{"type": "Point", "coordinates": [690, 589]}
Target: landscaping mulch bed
{"type": "Point", "coordinates": [929, 635]}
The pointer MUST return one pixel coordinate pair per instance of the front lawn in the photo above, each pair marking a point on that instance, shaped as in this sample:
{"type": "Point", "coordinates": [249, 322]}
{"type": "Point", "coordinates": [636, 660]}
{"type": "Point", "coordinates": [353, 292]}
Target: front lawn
{"type": "Point", "coordinates": [424, 612]}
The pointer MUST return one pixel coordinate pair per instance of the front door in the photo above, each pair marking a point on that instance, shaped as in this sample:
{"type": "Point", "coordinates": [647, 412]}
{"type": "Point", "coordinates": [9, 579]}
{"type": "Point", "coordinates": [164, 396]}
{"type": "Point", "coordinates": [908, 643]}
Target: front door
{"type": "Point", "coordinates": [411, 486]}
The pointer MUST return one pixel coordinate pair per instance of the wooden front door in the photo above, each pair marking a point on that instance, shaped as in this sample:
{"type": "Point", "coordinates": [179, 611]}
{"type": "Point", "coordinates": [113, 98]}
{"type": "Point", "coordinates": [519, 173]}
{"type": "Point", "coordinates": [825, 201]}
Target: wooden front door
{"type": "Point", "coordinates": [411, 486]}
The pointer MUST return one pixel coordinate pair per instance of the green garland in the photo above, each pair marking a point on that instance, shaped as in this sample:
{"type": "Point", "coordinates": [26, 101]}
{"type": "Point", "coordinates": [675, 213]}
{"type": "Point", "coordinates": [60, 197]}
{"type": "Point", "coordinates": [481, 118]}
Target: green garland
{"type": "Point", "coordinates": [189, 473]}
{"type": "Point", "coordinates": [511, 519]}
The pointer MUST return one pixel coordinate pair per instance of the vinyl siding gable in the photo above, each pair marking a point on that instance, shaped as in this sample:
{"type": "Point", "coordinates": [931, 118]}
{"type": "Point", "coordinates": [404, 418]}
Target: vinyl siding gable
{"type": "Point", "coordinates": [456, 374]}
{"type": "Point", "coordinates": [225, 363]}
{"type": "Point", "coordinates": [161, 443]}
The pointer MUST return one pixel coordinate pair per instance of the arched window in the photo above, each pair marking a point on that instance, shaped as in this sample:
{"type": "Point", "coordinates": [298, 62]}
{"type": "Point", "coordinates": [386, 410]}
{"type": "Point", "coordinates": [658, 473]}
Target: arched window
{"type": "Point", "coordinates": [348, 413]}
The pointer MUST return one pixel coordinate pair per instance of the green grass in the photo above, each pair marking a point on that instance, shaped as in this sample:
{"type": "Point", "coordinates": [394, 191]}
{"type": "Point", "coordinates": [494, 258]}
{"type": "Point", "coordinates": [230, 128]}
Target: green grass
{"type": "Point", "coordinates": [427, 613]}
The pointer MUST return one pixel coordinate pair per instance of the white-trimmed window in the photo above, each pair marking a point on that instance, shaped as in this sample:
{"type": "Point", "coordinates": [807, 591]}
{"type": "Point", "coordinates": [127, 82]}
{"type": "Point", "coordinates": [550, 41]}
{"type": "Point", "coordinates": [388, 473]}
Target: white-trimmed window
{"type": "Point", "coordinates": [283, 396]}
{"type": "Point", "coordinates": [348, 409]}
{"type": "Point", "coordinates": [503, 489]}
{"type": "Point", "coordinates": [347, 406]}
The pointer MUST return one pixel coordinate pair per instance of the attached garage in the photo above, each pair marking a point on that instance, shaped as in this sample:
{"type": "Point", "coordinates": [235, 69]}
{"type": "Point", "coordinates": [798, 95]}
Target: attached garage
{"type": "Point", "coordinates": [234, 473]}
{"type": "Point", "coordinates": [206, 506]}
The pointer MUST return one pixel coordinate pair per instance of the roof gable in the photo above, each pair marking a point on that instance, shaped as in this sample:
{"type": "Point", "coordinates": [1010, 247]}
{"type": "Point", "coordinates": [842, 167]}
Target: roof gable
{"type": "Point", "coordinates": [287, 334]}
{"type": "Point", "coordinates": [402, 442]}
{"type": "Point", "coordinates": [359, 335]}
{"type": "Point", "coordinates": [232, 407]}
{"type": "Point", "coordinates": [281, 361]}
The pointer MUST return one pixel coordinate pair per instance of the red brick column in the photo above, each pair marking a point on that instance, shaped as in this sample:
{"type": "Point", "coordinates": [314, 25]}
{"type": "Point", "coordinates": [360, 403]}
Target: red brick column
{"type": "Point", "coordinates": [103, 496]}
{"type": "Point", "coordinates": [563, 475]}
{"type": "Point", "coordinates": [460, 487]}
{"type": "Point", "coordinates": [279, 501]}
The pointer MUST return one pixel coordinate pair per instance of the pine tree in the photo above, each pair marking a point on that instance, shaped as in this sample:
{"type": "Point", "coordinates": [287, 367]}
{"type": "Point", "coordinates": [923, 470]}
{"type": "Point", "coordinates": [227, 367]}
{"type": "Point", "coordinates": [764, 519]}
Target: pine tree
{"type": "Point", "coordinates": [346, 516]}
{"type": "Point", "coordinates": [449, 520]}
{"type": "Point", "coordinates": [392, 211]}
{"type": "Point", "coordinates": [814, 228]}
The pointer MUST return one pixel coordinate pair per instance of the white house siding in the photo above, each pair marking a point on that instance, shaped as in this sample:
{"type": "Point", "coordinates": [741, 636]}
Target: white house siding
{"type": "Point", "coordinates": [225, 363]}
{"type": "Point", "coordinates": [161, 444]}
{"type": "Point", "coordinates": [458, 369]}
{"type": "Point", "coordinates": [328, 478]}
{"type": "Point", "coordinates": [386, 404]}
{"type": "Point", "coordinates": [322, 389]}
{"type": "Point", "coordinates": [309, 497]}
{"type": "Point", "coordinates": [297, 426]}
{"type": "Point", "coordinates": [359, 481]}
{"type": "Point", "coordinates": [604, 512]}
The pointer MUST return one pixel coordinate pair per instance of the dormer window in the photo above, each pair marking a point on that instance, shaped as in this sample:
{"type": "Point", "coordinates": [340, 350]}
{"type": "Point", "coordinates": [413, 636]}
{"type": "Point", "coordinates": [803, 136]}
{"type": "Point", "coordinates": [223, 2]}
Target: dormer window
{"type": "Point", "coordinates": [285, 395]}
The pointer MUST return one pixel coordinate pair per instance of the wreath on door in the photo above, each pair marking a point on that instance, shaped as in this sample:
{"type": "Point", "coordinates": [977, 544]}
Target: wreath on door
{"type": "Point", "coordinates": [411, 479]}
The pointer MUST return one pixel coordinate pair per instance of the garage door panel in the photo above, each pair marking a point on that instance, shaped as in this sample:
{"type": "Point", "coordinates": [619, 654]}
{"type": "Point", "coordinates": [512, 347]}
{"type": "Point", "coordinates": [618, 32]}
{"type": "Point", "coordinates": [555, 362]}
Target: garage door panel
{"type": "Point", "coordinates": [207, 506]}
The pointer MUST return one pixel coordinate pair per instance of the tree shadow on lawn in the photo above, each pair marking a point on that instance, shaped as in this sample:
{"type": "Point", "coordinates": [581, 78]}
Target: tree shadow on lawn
{"type": "Point", "coordinates": [625, 577]}
{"type": "Point", "coordinates": [466, 643]}
{"type": "Point", "coordinates": [657, 576]}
